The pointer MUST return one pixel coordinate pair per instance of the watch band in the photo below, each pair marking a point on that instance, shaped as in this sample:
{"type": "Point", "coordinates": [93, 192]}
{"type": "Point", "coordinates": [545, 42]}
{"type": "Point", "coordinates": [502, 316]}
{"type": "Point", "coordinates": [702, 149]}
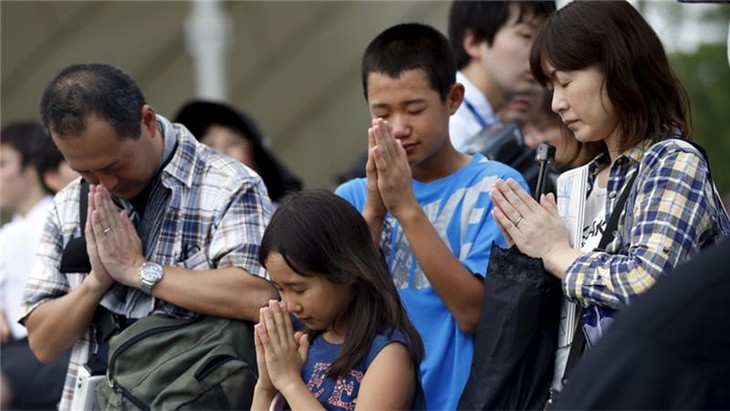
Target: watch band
{"type": "Point", "coordinates": [149, 275]}
{"type": "Point", "coordinates": [146, 285]}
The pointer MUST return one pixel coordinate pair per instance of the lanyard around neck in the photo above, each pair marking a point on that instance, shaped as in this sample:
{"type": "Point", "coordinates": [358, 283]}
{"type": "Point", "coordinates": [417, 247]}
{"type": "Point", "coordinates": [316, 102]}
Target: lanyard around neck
{"type": "Point", "coordinates": [481, 120]}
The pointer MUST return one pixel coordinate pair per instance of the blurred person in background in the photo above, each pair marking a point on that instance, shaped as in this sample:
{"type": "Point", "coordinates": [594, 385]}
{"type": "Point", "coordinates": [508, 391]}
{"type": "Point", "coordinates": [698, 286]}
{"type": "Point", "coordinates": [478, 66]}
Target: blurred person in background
{"type": "Point", "coordinates": [31, 171]}
{"type": "Point", "coordinates": [491, 41]}
{"type": "Point", "coordinates": [522, 108]}
{"type": "Point", "coordinates": [540, 124]}
{"type": "Point", "coordinates": [545, 126]}
{"type": "Point", "coordinates": [236, 134]}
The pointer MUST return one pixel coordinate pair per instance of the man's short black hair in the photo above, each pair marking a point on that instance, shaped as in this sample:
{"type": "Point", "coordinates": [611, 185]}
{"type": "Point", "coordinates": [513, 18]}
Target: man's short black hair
{"type": "Point", "coordinates": [411, 46]}
{"type": "Point", "coordinates": [80, 90]}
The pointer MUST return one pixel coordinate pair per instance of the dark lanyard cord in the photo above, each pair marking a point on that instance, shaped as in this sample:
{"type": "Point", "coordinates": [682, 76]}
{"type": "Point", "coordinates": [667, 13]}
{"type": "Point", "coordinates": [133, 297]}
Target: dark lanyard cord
{"type": "Point", "coordinates": [480, 119]}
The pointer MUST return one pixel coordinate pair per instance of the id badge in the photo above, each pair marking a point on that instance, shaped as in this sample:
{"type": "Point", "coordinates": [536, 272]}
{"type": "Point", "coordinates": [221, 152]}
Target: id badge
{"type": "Point", "coordinates": [84, 397]}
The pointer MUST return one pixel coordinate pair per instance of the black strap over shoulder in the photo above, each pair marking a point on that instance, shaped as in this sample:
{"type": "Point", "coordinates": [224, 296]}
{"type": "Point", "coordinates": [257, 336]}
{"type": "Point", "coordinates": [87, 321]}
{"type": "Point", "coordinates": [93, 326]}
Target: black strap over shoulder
{"type": "Point", "coordinates": [714, 237]}
{"type": "Point", "coordinates": [75, 258]}
{"type": "Point", "coordinates": [612, 224]}
{"type": "Point", "coordinates": [83, 205]}
{"type": "Point", "coordinates": [702, 151]}
{"type": "Point", "coordinates": [579, 341]}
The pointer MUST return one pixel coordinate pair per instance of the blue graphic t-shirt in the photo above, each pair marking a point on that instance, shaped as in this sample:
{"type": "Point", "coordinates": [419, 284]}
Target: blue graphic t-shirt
{"type": "Point", "coordinates": [340, 393]}
{"type": "Point", "coordinates": [459, 208]}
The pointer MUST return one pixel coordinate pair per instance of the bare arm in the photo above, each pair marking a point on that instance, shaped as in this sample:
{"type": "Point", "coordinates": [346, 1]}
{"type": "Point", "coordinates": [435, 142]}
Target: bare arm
{"type": "Point", "coordinates": [262, 399]}
{"type": "Point", "coordinates": [225, 292]}
{"type": "Point", "coordinates": [57, 324]}
{"type": "Point", "coordinates": [461, 290]}
{"type": "Point", "coordinates": [4, 328]}
{"type": "Point", "coordinates": [389, 382]}
{"type": "Point", "coordinates": [299, 397]}
{"type": "Point", "coordinates": [264, 391]}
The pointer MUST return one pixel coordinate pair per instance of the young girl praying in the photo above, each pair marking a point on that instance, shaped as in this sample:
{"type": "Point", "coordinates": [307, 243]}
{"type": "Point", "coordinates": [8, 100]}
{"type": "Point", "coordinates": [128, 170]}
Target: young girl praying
{"type": "Point", "coordinates": [358, 349]}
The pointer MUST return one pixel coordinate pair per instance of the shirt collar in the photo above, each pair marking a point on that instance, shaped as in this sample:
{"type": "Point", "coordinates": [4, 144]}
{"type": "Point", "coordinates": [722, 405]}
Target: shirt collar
{"type": "Point", "coordinates": [631, 155]}
{"type": "Point", "coordinates": [168, 137]}
{"type": "Point", "coordinates": [37, 211]}
{"type": "Point", "coordinates": [183, 147]}
{"type": "Point", "coordinates": [474, 96]}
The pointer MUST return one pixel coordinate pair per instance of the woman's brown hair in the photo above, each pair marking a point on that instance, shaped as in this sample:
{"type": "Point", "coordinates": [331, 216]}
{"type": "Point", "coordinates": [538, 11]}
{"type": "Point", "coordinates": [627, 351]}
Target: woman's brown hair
{"type": "Point", "coordinates": [613, 37]}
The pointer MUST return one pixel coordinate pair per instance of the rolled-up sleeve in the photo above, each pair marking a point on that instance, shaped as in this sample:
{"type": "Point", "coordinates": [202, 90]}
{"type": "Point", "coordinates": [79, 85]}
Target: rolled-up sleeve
{"type": "Point", "coordinates": [671, 211]}
{"type": "Point", "coordinates": [237, 237]}
{"type": "Point", "coordinates": [45, 281]}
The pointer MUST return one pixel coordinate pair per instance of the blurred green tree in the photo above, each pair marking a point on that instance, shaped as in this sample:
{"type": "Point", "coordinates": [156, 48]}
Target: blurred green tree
{"type": "Point", "coordinates": [706, 75]}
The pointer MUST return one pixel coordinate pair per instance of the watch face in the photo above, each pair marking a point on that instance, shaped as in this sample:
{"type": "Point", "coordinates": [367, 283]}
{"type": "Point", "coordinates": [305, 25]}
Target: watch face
{"type": "Point", "coordinates": [152, 272]}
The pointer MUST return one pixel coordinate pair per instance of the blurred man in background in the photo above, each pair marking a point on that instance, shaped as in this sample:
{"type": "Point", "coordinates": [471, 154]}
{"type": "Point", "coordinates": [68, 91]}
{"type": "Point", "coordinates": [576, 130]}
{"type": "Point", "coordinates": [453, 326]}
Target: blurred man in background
{"type": "Point", "coordinates": [31, 171]}
{"type": "Point", "coordinates": [492, 41]}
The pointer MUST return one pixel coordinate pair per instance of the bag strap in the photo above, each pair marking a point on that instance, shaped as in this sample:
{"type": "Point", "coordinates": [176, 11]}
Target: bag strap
{"type": "Point", "coordinates": [83, 205]}
{"type": "Point", "coordinates": [612, 224]}
{"type": "Point", "coordinates": [704, 154]}
{"type": "Point", "coordinates": [718, 201]}
{"type": "Point", "coordinates": [578, 344]}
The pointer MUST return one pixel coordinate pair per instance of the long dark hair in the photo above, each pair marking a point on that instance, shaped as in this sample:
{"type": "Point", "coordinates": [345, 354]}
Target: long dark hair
{"type": "Point", "coordinates": [613, 37]}
{"type": "Point", "coordinates": [320, 234]}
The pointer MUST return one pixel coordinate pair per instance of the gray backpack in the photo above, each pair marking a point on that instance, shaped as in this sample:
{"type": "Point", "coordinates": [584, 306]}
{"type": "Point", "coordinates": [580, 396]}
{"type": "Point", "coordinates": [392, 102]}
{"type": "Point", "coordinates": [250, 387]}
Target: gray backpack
{"type": "Point", "coordinates": [165, 363]}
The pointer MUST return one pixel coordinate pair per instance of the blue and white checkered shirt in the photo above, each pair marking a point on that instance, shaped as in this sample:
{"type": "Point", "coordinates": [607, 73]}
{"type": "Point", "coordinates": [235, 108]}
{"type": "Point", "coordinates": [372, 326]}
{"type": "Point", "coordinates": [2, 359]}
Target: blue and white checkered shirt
{"type": "Point", "coordinates": [671, 212]}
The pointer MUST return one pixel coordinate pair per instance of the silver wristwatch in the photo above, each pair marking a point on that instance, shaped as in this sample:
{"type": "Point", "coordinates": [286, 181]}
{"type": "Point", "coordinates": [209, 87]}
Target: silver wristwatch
{"type": "Point", "coordinates": [149, 275]}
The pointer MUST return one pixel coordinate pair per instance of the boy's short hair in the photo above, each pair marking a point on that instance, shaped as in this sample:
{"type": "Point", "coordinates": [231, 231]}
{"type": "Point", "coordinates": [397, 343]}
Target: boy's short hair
{"type": "Point", "coordinates": [485, 18]}
{"type": "Point", "coordinates": [411, 46]}
{"type": "Point", "coordinates": [23, 136]}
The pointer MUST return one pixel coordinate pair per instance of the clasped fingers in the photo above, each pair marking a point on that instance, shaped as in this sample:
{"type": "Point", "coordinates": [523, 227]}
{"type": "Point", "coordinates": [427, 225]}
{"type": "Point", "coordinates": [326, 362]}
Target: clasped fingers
{"type": "Point", "coordinates": [513, 199]}
{"type": "Point", "coordinates": [275, 317]}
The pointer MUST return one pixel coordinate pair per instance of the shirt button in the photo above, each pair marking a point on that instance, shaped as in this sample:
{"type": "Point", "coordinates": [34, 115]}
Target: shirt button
{"type": "Point", "coordinates": [612, 194]}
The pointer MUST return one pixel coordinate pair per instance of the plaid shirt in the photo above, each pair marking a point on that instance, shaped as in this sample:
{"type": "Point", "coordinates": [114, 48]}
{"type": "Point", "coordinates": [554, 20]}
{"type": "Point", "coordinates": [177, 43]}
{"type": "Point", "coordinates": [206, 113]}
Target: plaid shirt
{"type": "Point", "coordinates": [671, 212]}
{"type": "Point", "coordinates": [216, 217]}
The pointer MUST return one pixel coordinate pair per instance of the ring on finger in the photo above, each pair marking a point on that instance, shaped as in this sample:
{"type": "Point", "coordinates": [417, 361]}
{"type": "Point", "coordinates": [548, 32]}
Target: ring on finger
{"type": "Point", "coordinates": [107, 230]}
{"type": "Point", "coordinates": [517, 222]}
